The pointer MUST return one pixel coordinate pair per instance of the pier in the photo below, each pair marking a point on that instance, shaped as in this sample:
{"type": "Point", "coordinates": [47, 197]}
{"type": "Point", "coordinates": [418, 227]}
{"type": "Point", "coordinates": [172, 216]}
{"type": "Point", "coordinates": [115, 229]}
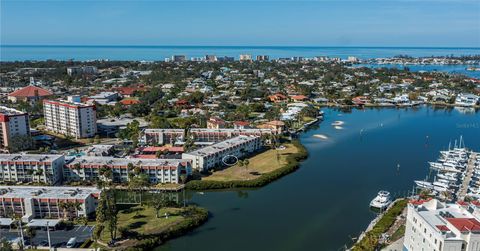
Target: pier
{"type": "Point", "coordinates": [462, 192]}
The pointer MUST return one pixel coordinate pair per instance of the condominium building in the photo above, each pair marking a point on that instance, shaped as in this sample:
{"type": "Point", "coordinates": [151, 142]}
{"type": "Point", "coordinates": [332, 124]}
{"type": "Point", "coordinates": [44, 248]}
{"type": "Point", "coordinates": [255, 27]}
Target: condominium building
{"type": "Point", "coordinates": [263, 57]}
{"type": "Point", "coordinates": [31, 168]}
{"type": "Point", "coordinates": [35, 202]}
{"type": "Point", "coordinates": [12, 123]}
{"type": "Point", "coordinates": [433, 225]}
{"type": "Point", "coordinates": [245, 57]}
{"type": "Point", "coordinates": [179, 58]}
{"type": "Point", "coordinates": [79, 70]}
{"type": "Point", "coordinates": [177, 136]}
{"type": "Point", "coordinates": [69, 118]}
{"type": "Point", "coordinates": [158, 170]}
{"type": "Point", "coordinates": [211, 156]}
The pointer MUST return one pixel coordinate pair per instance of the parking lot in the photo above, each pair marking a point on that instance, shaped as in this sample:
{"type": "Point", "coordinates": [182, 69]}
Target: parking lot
{"type": "Point", "coordinates": [59, 238]}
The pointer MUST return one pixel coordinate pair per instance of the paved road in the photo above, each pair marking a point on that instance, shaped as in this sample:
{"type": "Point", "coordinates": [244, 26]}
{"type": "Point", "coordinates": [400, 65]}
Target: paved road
{"type": "Point", "coordinates": [58, 237]}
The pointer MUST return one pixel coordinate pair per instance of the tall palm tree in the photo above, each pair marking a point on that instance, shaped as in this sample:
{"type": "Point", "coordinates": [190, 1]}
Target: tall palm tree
{"type": "Point", "coordinates": [39, 173]}
{"type": "Point", "coordinates": [246, 162]}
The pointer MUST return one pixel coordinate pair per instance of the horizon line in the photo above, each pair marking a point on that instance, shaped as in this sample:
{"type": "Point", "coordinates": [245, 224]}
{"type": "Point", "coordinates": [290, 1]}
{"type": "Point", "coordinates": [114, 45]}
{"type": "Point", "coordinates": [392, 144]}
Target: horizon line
{"type": "Point", "coordinates": [233, 46]}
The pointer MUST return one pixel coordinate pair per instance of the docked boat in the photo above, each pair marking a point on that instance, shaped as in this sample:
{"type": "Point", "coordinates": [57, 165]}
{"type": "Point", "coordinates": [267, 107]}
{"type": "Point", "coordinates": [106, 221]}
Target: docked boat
{"type": "Point", "coordinates": [424, 184]}
{"type": "Point", "coordinates": [382, 200]}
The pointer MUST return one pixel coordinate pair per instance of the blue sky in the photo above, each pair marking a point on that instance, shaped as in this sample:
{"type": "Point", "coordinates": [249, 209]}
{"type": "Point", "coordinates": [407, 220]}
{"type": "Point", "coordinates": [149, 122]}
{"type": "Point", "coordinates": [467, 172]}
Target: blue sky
{"type": "Point", "coordinates": [450, 23]}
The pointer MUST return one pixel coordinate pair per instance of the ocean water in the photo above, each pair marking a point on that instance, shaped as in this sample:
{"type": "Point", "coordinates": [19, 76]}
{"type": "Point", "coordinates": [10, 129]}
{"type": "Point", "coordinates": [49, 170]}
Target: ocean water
{"type": "Point", "coordinates": [154, 53]}
{"type": "Point", "coordinates": [325, 203]}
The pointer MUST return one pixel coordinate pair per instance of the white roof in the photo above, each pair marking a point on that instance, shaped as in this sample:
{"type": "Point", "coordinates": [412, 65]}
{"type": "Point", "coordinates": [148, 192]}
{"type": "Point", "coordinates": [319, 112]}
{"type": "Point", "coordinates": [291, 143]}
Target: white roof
{"type": "Point", "coordinates": [47, 192]}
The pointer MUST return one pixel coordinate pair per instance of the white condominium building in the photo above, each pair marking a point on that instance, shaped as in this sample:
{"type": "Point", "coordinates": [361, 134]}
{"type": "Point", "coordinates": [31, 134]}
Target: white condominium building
{"type": "Point", "coordinates": [31, 168]}
{"type": "Point", "coordinates": [158, 170]}
{"type": "Point", "coordinates": [35, 202]}
{"type": "Point", "coordinates": [12, 123]}
{"type": "Point", "coordinates": [208, 157]}
{"type": "Point", "coordinates": [177, 136]}
{"type": "Point", "coordinates": [432, 225]}
{"type": "Point", "coordinates": [68, 118]}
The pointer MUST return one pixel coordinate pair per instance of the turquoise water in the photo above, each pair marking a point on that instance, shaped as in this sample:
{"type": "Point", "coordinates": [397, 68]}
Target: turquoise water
{"type": "Point", "coordinates": [325, 202]}
{"type": "Point", "coordinates": [20, 53]}
{"type": "Point", "coordinates": [454, 69]}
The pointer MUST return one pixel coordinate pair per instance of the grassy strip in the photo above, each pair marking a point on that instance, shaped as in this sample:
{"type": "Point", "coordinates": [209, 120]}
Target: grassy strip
{"type": "Point", "coordinates": [197, 216]}
{"type": "Point", "coordinates": [370, 241]}
{"type": "Point", "coordinates": [293, 162]}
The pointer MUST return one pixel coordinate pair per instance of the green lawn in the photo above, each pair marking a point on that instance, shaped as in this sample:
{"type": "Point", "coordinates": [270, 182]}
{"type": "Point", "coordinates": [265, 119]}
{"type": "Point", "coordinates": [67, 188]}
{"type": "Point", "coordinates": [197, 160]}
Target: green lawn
{"type": "Point", "coordinates": [143, 220]}
{"type": "Point", "coordinates": [259, 164]}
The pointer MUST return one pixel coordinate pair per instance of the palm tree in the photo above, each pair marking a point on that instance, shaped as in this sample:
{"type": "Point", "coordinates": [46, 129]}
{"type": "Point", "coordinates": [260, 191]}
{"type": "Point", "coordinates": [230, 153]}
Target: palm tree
{"type": "Point", "coordinates": [30, 173]}
{"type": "Point", "coordinates": [63, 206]}
{"type": "Point", "coordinates": [39, 173]}
{"type": "Point", "coordinates": [31, 233]}
{"type": "Point", "coordinates": [246, 162]}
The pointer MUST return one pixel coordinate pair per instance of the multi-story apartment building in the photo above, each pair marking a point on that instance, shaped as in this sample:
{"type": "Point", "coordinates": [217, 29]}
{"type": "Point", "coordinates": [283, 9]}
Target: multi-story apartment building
{"type": "Point", "coordinates": [68, 118]}
{"type": "Point", "coordinates": [12, 123]}
{"type": "Point", "coordinates": [172, 136]}
{"type": "Point", "coordinates": [78, 70]}
{"type": "Point", "coordinates": [31, 168]}
{"type": "Point", "coordinates": [263, 57]}
{"type": "Point", "coordinates": [436, 226]}
{"type": "Point", "coordinates": [210, 156]}
{"type": "Point", "coordinates": [245, 57]}
{"type": "Point", "coordinates": [159, 170]}
{"type": "Point", "coordinates": [34, 202]}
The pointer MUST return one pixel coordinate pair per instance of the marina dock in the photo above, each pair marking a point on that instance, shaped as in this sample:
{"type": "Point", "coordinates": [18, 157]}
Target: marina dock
{"type": "Point", "coordinates": [462, 192]}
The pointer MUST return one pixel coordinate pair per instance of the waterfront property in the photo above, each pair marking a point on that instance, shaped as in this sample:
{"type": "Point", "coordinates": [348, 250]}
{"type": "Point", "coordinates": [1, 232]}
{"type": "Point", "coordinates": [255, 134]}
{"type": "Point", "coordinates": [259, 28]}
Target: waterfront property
{"type": "Point", "coordinates": [465, 99]}
{"type": "Point", "coordinates": [158, 170]}
{"type": "Point", "coordinates": [37, 202]}
{"type": "Point", "coordinates": [70, 118]}
{"type": "Point", "coordinates": [12, 123]}
{"type": "Point", "coordinates": [209, 157]}
{"type": "Point", "coordinates": [433, 225]}
{"type": "Point", "coordinates": [31, 168]}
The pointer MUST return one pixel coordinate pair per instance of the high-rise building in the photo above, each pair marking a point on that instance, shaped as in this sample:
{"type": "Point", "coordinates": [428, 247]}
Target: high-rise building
{"type": "Point", "coordinates": [245, 57]}
{"type": "Point", "coordinates": [179, 58]}
{"type": "Point", "coordinates": [71, 119]}
{"type": "Point", "coordinates": [12, 123]}
{"type": "Point", "coordinates": [210, 58]}
{"type": "Point", "coordinates": [262, 58]}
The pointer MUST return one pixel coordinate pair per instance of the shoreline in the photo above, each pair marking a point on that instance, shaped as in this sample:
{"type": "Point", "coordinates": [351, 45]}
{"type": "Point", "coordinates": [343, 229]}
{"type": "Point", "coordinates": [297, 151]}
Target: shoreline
{"type": "Point", "coordinates": [293, 163]}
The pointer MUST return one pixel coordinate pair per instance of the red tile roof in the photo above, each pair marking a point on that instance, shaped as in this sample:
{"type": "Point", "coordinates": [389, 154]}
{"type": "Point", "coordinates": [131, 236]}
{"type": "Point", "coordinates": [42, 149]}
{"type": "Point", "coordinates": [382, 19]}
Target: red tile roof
{"type": "Point", "coordinates": [161, 148]}
{"type": "Point", "coordinates": [443, 228]}
{"type": "Point", "coordinates": [241, 123]}
{"type": "Point", "coordinates": [420, 201]}
{"type": "Point", "coordinates": [30, 91]}
{"type": "Point", "coordinates": [465, 224]}
{"type": "Point", "coordinates": [129, 101]}
{"type": "Point", "coordinates": [299, 97]}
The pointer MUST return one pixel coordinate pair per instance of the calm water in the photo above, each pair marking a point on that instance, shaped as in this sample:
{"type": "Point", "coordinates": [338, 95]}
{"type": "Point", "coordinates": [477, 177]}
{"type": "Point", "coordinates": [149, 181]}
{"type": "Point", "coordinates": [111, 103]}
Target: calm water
{"type": "Point", "coordinates": [454, 69]}
{"type": "Point", "coordinates": [323, 203]}
{"type": "Point", "coordinates": [20, 53]}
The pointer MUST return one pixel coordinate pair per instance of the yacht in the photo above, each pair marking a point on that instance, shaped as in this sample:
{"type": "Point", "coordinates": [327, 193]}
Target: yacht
{"type": "Point", "coordinates": [424, 184]}
{"type": "Point", "coordinates": [382, 200]}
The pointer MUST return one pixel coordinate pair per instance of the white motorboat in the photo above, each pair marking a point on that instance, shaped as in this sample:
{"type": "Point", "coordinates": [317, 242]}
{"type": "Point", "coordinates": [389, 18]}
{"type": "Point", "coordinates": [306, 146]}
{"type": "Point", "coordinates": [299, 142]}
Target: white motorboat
{"type": "Point", "coordinates": [338, 123]}
{"type": "Point", "coordinates": [424, 184]}
{"type": "Point", "coordinates": [382, 200]}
